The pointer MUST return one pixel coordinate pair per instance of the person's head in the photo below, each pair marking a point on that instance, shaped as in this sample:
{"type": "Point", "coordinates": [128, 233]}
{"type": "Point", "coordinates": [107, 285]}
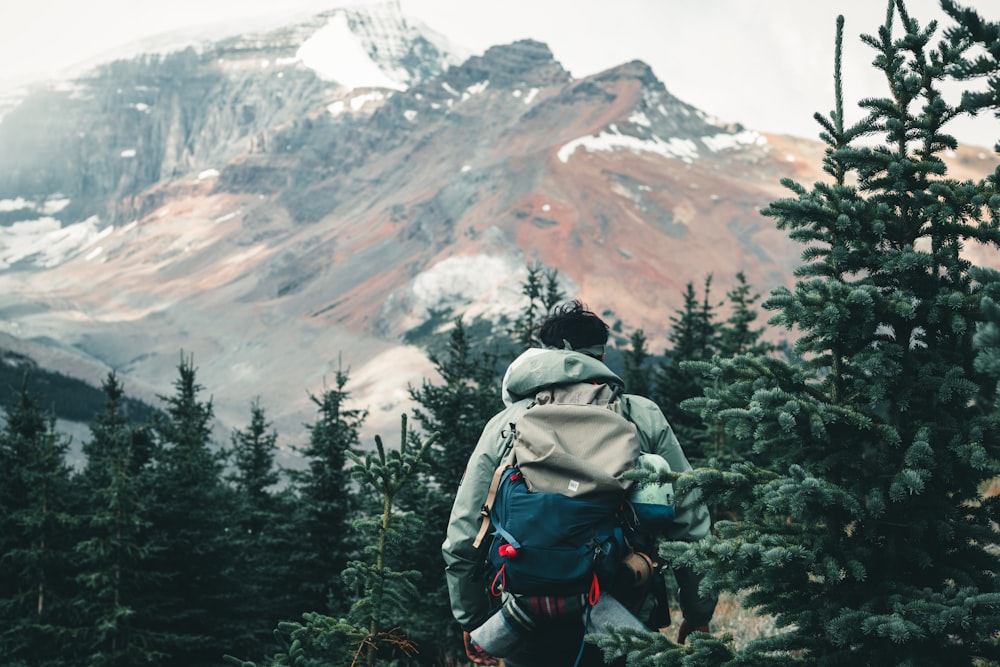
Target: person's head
{"type": "Point", "coordinates": [572, 326]}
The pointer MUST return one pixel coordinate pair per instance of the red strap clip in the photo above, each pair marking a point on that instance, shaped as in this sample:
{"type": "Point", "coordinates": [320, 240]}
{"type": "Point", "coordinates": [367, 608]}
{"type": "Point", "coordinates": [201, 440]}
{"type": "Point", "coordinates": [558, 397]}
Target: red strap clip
{"type": "Point", "coordinates": [507, 551]}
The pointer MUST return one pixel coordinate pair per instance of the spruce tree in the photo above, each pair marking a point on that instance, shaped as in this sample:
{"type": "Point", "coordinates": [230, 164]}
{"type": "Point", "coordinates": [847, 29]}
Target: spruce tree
{"type": "Point", "coordinates": [373, 631]}
{"type": "Point", "coordinates": [866, 535]}
{"type": "Point", "coordinates": [456, 410]}
{"type": "Point", "coordinates": [987, 340]}
{"type": "Point", "coordinates": [327, 500]}
{"type": "Point", "coordinates": [554, 292]}
{"type": "Point", "coordinates": [978, 64]}
{"type": "Point", "coordinates": [253, 451]}
{"type": "Point", "coordinates": [737, 335]}
{"type": "Point", "coordinates": [265, 537]}
{"type": "Point", "coordinates": [113, 541]}
{"type": "Point", "coordinates": [636, 374]}
{"type": "Point", "coordinates": [693, 337]}
{"type": "Point", "coordinates": [36, 530]}
{"type": "Point", "coordinates": [389, 589]}
{"type": "Point", "coordinates": [190, 510]}
{"type": "Point", "coordinates": [541, 288]}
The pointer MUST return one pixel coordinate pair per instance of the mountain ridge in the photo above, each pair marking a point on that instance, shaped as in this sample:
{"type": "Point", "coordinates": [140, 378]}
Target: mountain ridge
{"type": "Point", "coordinates": [291, 227]}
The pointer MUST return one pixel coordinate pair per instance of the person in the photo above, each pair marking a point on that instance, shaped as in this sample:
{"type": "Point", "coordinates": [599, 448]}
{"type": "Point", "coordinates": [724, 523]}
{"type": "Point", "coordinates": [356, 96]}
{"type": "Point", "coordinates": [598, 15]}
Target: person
{"type": "Point", "coordinates": [573, 340]}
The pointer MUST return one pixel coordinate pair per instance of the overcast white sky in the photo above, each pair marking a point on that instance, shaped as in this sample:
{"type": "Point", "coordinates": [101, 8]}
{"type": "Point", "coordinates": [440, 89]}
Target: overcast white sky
{"type": "Point", "coordinates": [765, 63]}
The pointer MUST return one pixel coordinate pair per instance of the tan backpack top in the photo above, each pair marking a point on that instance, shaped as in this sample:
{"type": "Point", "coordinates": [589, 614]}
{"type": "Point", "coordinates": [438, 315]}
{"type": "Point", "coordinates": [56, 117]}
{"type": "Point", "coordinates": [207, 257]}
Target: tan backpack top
{"type": "Point", "coordinates": [576, 440]}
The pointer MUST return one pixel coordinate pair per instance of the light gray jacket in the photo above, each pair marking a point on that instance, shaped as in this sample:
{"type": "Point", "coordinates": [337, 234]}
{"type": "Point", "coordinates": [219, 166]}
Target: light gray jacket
{"type": "Point", "coordinates": [534, 370]}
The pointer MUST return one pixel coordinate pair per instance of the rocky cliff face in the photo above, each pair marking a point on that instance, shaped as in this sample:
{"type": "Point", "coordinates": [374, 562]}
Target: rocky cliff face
{"type": "Point", "coordinates": [103, 140]}
{"type": "Point", "coordinates": [242, 203]}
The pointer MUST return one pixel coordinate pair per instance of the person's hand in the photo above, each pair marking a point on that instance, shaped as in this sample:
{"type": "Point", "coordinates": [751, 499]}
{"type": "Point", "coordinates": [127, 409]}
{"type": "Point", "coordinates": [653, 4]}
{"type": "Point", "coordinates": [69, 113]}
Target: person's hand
{"type": "Point", "coordinates": [476, 654]}
{"type": "Point", "coordinates": [687, 628]}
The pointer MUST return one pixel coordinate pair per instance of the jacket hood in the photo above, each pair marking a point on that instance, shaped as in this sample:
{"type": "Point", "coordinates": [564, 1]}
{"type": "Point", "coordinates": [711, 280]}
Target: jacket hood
{"type": "Point", "coordinates": [537, 368]}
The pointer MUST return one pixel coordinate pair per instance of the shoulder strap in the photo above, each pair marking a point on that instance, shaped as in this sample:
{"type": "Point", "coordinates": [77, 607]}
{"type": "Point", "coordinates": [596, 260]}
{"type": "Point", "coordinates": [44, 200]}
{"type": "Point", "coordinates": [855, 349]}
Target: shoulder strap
{"type": "Point", "coordinates": [505, 462]}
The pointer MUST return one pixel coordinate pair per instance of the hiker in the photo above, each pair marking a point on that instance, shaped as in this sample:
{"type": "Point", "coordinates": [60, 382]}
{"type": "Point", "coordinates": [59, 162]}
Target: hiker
{"type": "Point", "coordinates": [574, 339]}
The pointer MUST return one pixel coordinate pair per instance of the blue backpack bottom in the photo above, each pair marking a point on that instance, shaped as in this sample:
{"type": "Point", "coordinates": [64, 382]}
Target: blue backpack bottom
{"type": "Point", "coordinates": [552, 544]}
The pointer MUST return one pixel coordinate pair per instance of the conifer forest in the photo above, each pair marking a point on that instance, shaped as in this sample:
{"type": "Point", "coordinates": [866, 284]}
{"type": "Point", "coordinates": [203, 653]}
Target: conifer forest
{"type": "Point", "coordinates": [845, 434]}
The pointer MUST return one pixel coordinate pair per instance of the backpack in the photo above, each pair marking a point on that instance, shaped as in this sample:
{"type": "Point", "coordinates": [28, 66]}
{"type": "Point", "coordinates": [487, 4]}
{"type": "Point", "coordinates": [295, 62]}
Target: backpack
{"type": "Point", "coordinates": [558, 504]}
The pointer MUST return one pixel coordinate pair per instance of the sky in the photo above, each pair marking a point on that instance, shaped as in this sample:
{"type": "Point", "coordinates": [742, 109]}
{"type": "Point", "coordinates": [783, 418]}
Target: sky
{"type": "Point", "coordinates": [767, 64]}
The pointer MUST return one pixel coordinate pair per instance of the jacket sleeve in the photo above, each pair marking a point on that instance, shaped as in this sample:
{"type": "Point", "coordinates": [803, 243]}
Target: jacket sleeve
{"type": "Point", "coordinates": [471, 603]}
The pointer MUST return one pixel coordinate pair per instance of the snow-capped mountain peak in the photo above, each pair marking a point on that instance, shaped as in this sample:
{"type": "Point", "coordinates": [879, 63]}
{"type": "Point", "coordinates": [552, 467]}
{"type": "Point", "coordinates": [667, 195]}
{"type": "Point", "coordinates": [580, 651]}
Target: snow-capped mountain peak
{"type": "Point", "coordinates": [362, 47]}
{"type": "Point", "coordinates": [371, 46]}
{"type": "Point", "coordinates": [337, 54]}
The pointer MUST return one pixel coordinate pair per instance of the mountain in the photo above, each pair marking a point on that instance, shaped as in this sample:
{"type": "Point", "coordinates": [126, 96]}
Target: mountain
{"type": "Point", "coordinates": [284, 203]}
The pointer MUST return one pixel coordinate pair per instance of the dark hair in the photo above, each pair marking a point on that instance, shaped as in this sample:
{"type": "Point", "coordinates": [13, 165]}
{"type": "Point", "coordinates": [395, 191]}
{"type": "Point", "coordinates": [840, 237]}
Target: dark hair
{"type": "Point", "coordinates": [571, 322]}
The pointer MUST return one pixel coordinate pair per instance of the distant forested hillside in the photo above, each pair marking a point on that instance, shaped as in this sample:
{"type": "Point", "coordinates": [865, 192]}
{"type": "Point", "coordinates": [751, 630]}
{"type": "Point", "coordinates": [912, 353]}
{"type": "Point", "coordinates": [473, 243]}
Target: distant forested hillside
{"type": "Point", "coordinates": [68, 398]}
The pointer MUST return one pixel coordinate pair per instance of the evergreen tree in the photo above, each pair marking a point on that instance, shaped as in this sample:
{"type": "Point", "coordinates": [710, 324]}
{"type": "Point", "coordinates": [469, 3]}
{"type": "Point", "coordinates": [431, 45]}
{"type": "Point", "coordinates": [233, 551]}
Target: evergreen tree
{"type": "Point", "coordinates": [389, 593]}
{"type": "Point", "coordinates": [35, 538]}
{"type": "Point", "coordinates": [459, 408]}
{"type": "Point", "coordinates": [693, 337]}
{"type": "Point", "coordinates": [327, 500]}
{"type": "Point", "coordinates": [455, 410]}
{"type": "Point", "coordinates": [265, 537]}
{"type": "Point", "coordinates": [541, 287]}
{"type": "Point", "coordinates": [987, 340]}
{"type": "Point", "coordinates": [978, 64]}
{"type": "Point", "coordinates": [636, 375]}
{"type": "Point", "coordinates": [554, 292]}
{"type": "Point", "coordinates": [190, 513]}
{"type": "Point", "coordinates": [113, 543]}
{"type": "Point", "coordinates": [866, 535]}
{"type": "Point", "coordinates": [738, 335]}
{"type": "Point", "coordinates": [253, 451]}
{"type": "Point", "coordinates": [370, 633]}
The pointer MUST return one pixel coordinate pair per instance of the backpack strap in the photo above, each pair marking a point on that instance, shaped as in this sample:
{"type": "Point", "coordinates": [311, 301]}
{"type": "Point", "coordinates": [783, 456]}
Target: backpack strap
{"type": "Point", "coordinates": [505, 462]}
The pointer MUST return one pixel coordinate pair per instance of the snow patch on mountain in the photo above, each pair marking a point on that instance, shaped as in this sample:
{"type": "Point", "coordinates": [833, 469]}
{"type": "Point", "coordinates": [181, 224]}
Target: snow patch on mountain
{"type": "Point", "coordinates": [674, 147]}
{"type": "Point", "coordinates": [529, 97]}
{"type": "Point", "coordinates": [683, 149]}
{"type": "Point", "coordinates": [335, 53]}
{"type": "Point", "coordinates": [726, 141]}
{"type": "Point", "coordinates": [639, 118]}
{"type": "Point", "coordinates": [45, 242]}
{"type": "Point", "coordinates": [475, 89]}
{"type": "Point", "coordinates": [478, 286]}
{"type": "Point", "coordinates": [456, 283]}
{"type": "Point", "coordinates": [50, 206]}
{"type": "Point", "coordinates": [357, 103]}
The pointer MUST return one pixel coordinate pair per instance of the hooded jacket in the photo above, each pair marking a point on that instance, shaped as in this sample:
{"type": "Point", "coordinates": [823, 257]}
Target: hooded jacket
{"type": "Point", "coordinates": [532, 371]}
